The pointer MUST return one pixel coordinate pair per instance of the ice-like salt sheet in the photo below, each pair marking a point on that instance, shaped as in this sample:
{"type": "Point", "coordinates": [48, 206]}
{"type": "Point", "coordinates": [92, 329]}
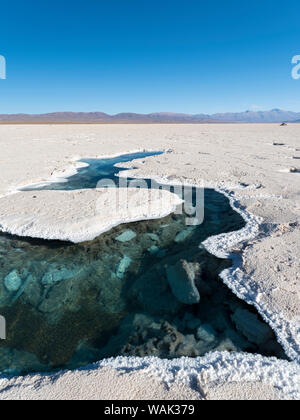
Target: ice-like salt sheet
{"type": "Point", "coordinates": [79, 216]}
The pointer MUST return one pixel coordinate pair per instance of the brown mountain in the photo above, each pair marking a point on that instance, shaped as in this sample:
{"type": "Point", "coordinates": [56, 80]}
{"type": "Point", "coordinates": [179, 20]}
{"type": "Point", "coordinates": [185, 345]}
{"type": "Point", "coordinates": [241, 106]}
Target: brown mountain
{"type": "Point", "coordinates": [101, 117]}
{"type": "Point", "coordinates": [56, 117]}
{"type": "Point", "coordinates": [273, 116]}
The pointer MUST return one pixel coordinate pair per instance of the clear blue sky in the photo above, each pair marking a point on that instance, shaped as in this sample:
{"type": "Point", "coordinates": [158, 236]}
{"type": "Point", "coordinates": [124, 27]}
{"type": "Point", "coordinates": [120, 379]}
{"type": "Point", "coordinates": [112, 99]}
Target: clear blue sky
{"type": "Point", "coordinates": [142, 56]}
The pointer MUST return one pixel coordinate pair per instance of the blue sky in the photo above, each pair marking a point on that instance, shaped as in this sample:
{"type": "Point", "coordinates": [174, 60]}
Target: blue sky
{"type": "Point", "coordinates": [145, 56]}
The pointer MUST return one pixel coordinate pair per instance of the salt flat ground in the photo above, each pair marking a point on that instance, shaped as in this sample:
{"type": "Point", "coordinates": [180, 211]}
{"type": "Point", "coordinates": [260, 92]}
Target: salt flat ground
{"type": "Point", "coordinates": [249, 161]}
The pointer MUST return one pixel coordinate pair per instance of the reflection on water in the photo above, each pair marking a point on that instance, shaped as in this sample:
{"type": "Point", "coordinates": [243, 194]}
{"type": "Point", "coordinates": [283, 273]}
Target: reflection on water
{"type": "Point", "coordinates": [144, 288]}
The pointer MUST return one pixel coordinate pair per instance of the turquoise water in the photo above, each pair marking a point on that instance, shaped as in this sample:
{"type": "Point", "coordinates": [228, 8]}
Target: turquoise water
{"type": "Point", "coordinates": [143, 288]}
{"type": "Point", "coordinates": [88, 177]}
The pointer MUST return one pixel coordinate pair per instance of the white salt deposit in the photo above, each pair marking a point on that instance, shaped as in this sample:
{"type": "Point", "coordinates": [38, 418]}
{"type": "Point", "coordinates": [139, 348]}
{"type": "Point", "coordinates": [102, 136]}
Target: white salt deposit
{"type": "Point", "coordinates": [214, 376]}
{"type": "Point", "coordinates": [81, 215]}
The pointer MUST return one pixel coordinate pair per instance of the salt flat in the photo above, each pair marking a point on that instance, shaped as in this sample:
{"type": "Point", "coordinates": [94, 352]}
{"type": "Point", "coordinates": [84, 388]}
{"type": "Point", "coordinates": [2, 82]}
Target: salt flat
{"type": "Point", "coordinates": [243, 161]}
{"type": "Point", "coordinates": [81, 215]}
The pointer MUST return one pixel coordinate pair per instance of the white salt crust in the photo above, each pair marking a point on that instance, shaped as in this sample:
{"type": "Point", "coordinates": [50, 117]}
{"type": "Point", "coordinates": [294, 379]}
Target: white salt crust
{"type": "Point", "coordinates": [198, 378]}
{"type": "Point", "coordinates": [217, 367]}
{"type": "Point", "coordinates": [80, 215]}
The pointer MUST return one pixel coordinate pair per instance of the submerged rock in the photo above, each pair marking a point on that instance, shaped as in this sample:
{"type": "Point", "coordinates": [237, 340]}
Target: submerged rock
{"type": "Point", "coordinates": [145, 336]}
{"type": "Point", "coordinates": [153, 236]}
{"type": "Point", "coordinates": [57, 275]}
{"type": "Point", "coordinates": [188, 348]}
{"type": "Point", "coordinates": [13, 281]}
{"type": "Point", "coordinates": [122, 266]}
{"type": "Point", "coordinates": [153, 249]}
{"type": "Point", "coordinates": [251, 327]}
{"type": "Point", "coordinates": [62, 297]}
{"type": "Point", "coordinates": [33, 291]}
{"type": "Point", "coordinates": [126, 236]}
{"type": "Point", "coordinates": [206, 333]}
{"type": "Point", "coordinates": [181, 278]}
{"type": "Point", "coordinates": [183, 235]}
{"type": "Point", "coordinates": [227, 345]}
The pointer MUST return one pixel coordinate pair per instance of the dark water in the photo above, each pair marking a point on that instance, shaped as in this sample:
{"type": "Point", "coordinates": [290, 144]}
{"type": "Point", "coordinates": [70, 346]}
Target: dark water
{"type": "Point", "coordinates": [158, 293]}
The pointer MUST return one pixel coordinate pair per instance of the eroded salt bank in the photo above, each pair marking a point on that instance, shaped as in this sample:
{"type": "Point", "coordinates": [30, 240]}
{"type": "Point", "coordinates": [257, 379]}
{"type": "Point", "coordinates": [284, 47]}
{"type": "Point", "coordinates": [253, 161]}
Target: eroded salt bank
{"type": "Point", "coordinates": [80, 215]}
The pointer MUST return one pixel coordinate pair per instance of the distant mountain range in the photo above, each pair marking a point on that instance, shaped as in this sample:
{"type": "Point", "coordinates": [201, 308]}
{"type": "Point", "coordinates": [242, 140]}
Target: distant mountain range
{"type": "Point", "coordinates": [273, 116]}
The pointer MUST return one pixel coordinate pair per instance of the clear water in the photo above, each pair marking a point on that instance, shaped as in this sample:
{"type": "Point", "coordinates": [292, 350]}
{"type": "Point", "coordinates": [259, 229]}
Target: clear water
{"type": "Point", "coordinates": [76, 304]}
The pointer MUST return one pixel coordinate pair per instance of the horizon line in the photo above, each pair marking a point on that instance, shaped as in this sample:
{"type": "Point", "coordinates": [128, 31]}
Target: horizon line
{"type": "Point", "coordinates": [151, 113]}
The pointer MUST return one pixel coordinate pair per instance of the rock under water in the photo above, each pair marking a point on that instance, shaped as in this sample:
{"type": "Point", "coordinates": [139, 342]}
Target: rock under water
{"type": "Point", "coordinates": [181, 278]}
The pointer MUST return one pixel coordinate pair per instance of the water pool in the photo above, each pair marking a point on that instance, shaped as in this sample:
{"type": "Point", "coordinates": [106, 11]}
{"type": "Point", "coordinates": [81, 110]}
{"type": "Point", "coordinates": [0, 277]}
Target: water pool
{"type": "Point", "coordinates": [144, 288]}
